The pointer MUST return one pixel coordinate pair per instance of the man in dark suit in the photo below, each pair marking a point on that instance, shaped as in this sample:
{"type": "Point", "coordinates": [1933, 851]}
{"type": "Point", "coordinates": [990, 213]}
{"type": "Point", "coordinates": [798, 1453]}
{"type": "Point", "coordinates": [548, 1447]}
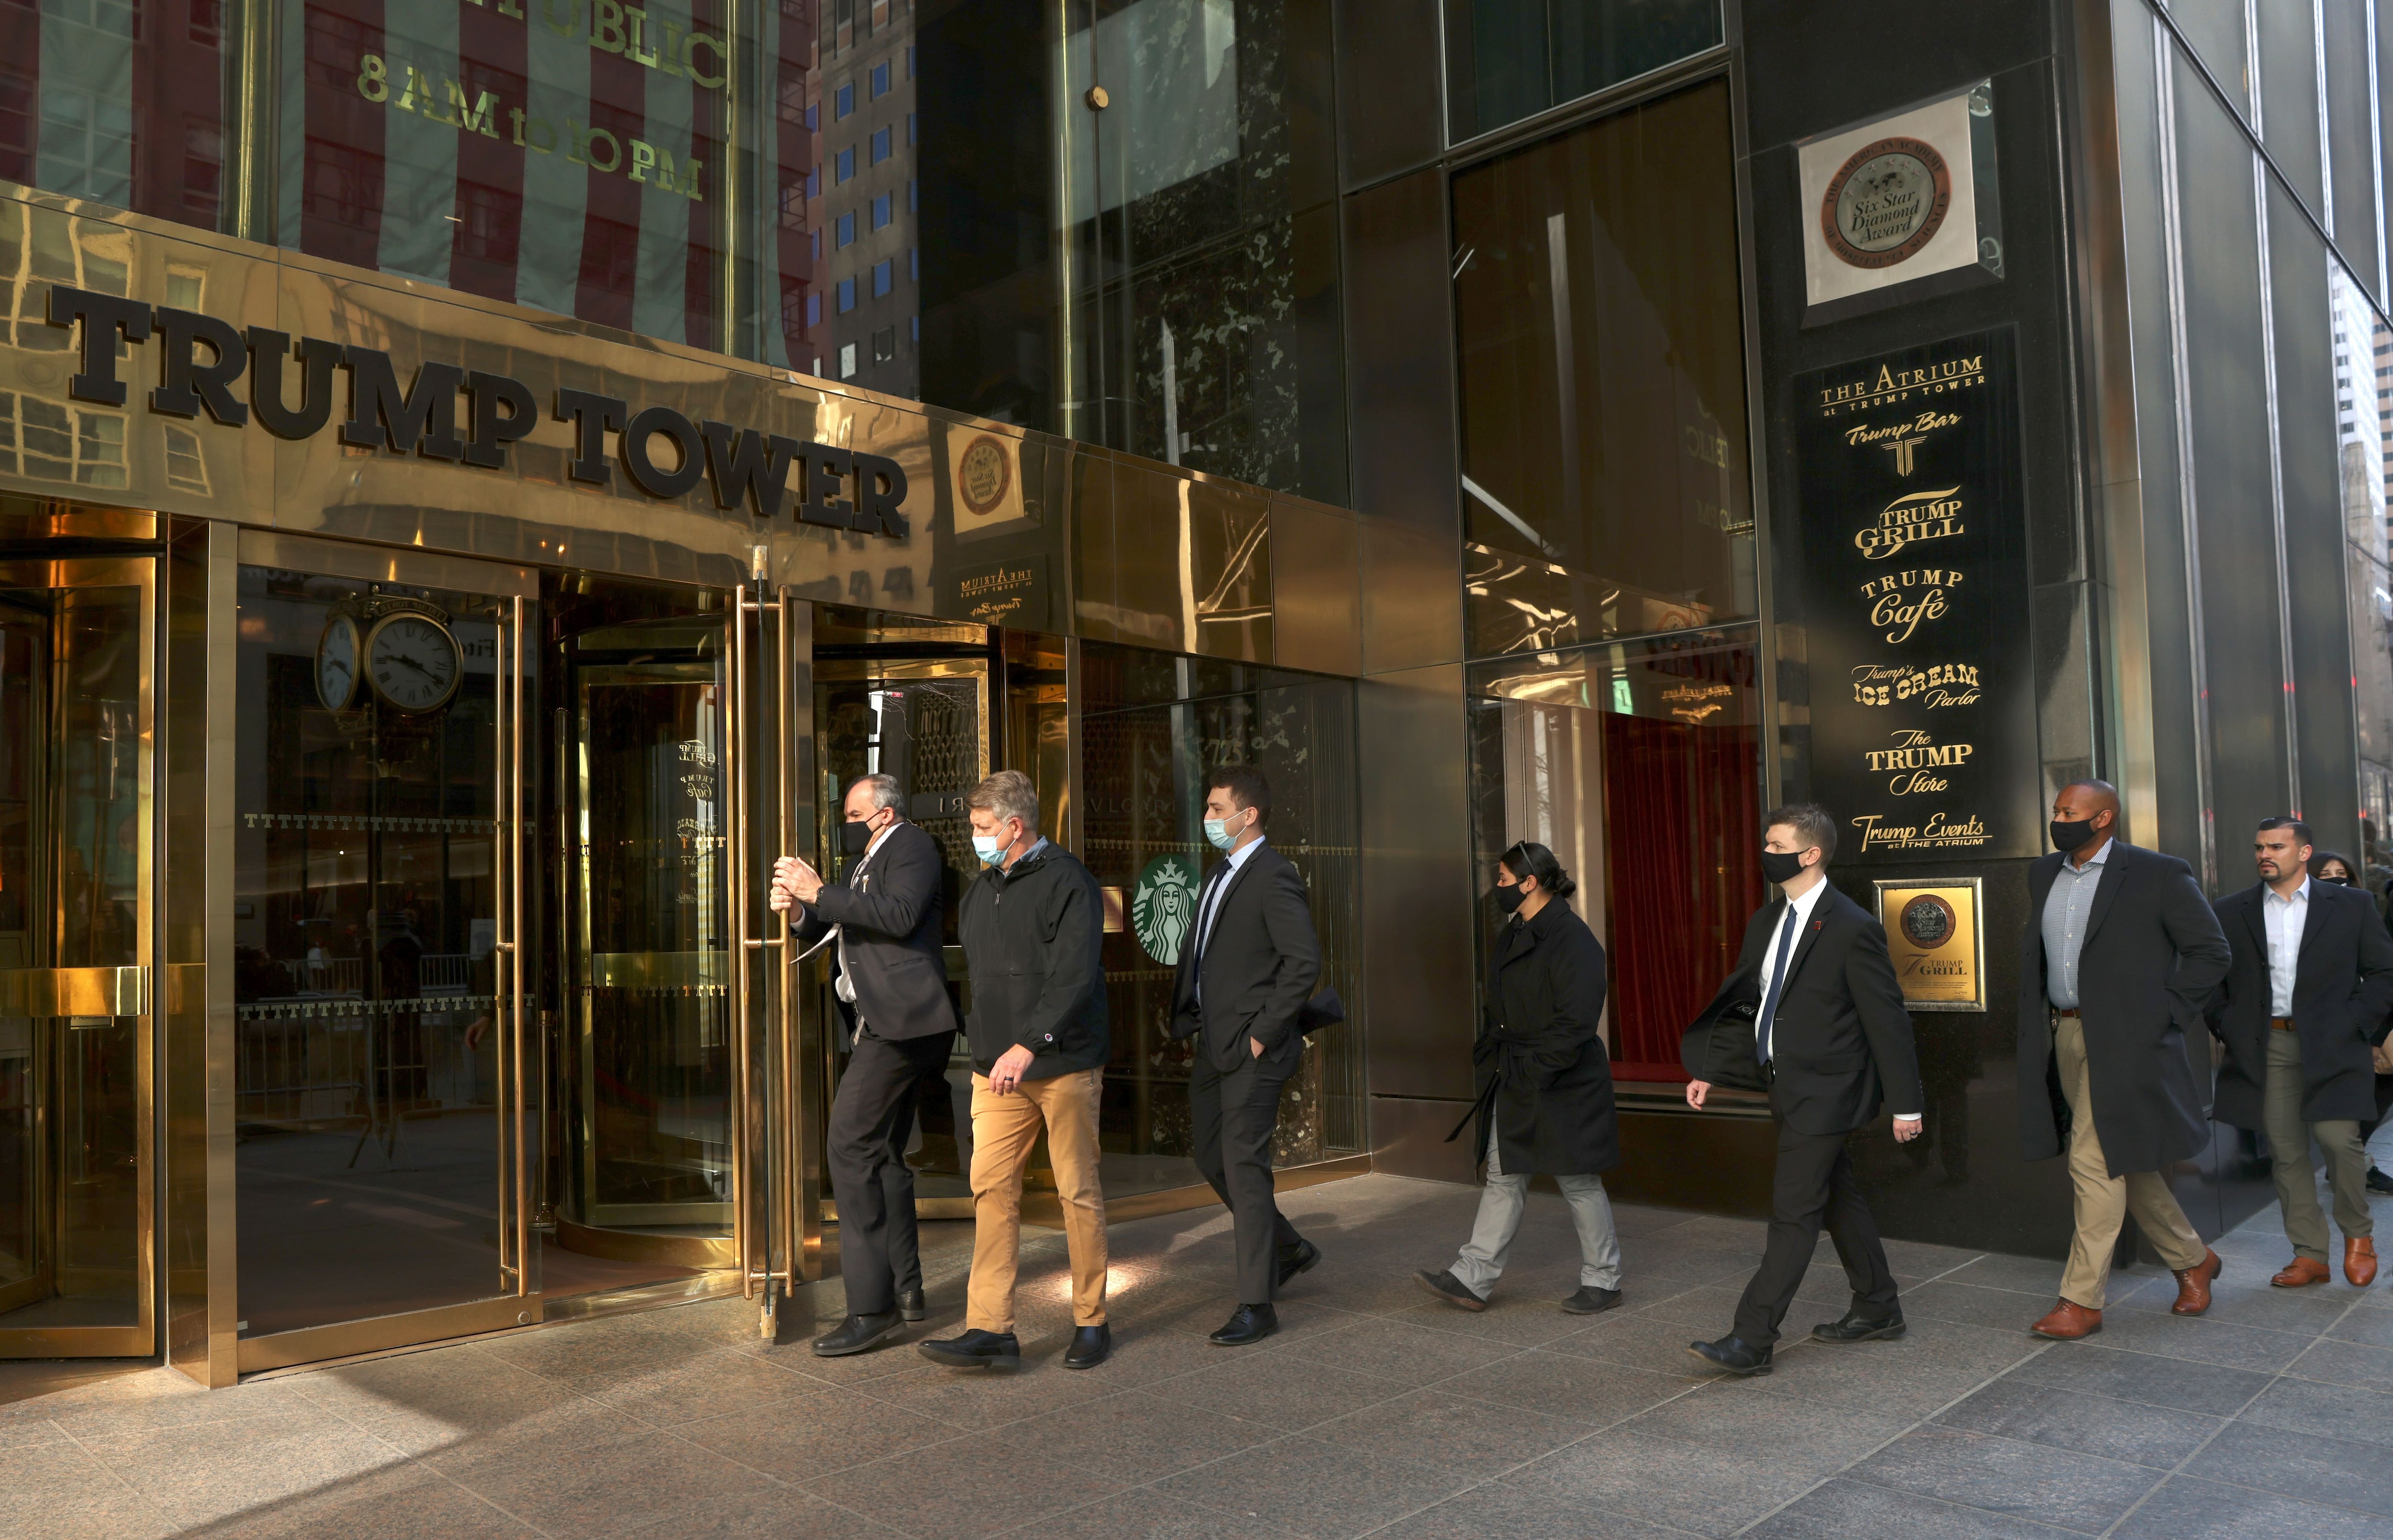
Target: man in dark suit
{"type": "Point", "coordinates": [1245, 972]}
{"type": "Point", "coordinates": [892, 984]}
{"type": "Point", "coordinates": [2306, 997]}
{"type": "Point", "coordinates": [1832, 1041]}
{"type": "Point", "coordinates": [2117, 963]}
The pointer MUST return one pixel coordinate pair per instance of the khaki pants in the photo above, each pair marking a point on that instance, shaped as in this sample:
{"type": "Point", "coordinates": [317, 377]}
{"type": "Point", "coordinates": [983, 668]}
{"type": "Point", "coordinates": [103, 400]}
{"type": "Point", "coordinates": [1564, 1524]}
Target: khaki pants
{"type": "Point", "coordinates": [2289, 1146]}
{"type": "Point", "coordinates": [2104, 1201]}
{"type": "Point", "coordinates": [1004, 1128]}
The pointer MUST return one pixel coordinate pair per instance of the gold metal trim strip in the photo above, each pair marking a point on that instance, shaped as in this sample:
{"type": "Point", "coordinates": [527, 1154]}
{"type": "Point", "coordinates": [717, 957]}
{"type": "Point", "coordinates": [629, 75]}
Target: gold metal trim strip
{"type": "Point", "coordinates": [407, 566]}
{"type": "Point", "coordinates": [74, 991]}
{"type": "Point", "coordinates": [706, 969]}
{"type": "Point", "coordinates": [309, 1344]}
{"type": "Point", "coordinates": [625, 1246]}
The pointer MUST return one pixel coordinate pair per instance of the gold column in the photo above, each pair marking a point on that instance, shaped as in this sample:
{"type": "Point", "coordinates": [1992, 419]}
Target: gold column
{"type": "Point", "coordinates": [250, 84]}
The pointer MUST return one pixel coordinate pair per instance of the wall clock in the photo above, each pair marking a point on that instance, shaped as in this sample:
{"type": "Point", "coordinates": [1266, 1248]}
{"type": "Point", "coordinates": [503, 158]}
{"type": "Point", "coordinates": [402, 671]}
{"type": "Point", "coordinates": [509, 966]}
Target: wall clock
{"type": "Point", "coordinates": [337, 652]}
{"type": "Point", "coordinates": [413, 660]}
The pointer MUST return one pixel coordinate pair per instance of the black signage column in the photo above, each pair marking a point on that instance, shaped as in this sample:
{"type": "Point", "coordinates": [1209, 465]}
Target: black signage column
{"type": "Point", "coordinates": [1916, 594]}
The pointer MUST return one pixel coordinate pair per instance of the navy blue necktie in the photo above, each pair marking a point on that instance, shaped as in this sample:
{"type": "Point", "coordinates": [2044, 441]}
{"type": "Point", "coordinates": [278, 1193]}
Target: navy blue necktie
{"type": "Point", "coordinates": [1777, 978]}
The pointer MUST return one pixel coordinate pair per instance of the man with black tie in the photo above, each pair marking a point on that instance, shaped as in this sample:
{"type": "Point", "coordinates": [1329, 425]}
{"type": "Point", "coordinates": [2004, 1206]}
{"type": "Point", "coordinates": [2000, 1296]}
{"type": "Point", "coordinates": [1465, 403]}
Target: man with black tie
{"type": "Point", "coordinates": [2117, 961]}
{"type": "Point", "coordinates": [2306, 997]}
{"type": "Point", "coordinates": [1831, 1041]}
{"type": "Point", "coordinates": [892, 983]}
{"type": "Point", "coordinates": [1247, 969]}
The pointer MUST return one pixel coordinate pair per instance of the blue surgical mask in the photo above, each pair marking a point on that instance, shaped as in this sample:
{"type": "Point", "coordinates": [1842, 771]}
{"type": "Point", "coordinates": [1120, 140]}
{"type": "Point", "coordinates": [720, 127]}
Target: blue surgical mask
{"type": "Point", "coordinates": [989, 848]}
{"type": "Point", "coordinates": [1218, 831]}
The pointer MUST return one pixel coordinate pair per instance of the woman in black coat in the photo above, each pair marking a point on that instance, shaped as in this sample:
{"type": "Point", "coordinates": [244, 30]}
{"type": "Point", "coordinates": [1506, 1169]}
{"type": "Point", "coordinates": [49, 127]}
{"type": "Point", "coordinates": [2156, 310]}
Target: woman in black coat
{"type": "Point", "coordinates": [1545, 1087]}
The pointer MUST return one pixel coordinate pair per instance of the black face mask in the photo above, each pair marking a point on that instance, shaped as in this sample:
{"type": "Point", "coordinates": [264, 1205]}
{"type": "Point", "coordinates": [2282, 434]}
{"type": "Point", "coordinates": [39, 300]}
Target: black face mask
{"type": "Point", "coordinates": [1782, 866]}
{"type": "Point", "coordinates": [1510, 899]}
{"type": "Point", "coordinates": [853, 837]}
{"type": "Point", "coordinates": [2338, 882]}
{"type": "Point", "coordinates": [2069, 836]}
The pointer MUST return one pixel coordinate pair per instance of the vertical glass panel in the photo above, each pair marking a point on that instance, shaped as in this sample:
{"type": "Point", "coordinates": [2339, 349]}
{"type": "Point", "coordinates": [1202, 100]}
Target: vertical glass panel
{"type": "Point", "coordinates": [1508, 59]}
{"type": "Point", "coordinates": [563, 154]}
{"type": "Point", "coordinates": [73, 826]}
{"type": "Point", "coordinates": [1587, 752]}
{"type": "Point", "coordinates": [2359, 339]}
{"type": "Point", "coordinates": [365, 917]}
{"type": "Point", "coordinates": [1602, 373]}
{"type": "Point", "coordinates": [1152, 725]}
{"type": "Point", "coordinates": [121, 102]}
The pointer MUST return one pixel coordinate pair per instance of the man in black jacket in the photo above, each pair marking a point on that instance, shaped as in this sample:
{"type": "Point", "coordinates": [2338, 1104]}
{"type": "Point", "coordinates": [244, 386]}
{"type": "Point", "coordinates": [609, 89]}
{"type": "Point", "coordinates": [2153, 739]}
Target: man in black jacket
{"type": "Point", "coordinates": [2117, 960]}
{"type": "Point", "coordinates": [892, 984]}
{"type": "Point", "coordinates": [1244, 972]}
{"type": "Point", "coordinates": [2306, 993]}
{"type": "Point", "coordinates": [1033, 926]}
{"type": "Point", "coordinates": [1831, 1041]}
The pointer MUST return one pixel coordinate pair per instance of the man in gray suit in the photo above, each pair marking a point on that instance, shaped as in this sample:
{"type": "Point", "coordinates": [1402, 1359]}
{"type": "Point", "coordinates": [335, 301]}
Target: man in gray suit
{"type": "Point", "coordinates": [892, 986]}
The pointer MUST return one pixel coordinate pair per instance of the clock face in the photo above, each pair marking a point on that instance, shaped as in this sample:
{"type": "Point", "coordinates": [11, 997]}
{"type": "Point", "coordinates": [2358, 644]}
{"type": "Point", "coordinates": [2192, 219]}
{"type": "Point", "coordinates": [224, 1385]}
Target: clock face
{"type": "Point", "coordinates": [337, 664]}
{"type": "Point", "coordinates": [412, 662]}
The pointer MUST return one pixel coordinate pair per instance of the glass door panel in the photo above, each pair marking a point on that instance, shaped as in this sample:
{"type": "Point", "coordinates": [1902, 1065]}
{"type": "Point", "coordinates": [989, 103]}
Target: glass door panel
{"type": "Point", "coordinates": [379, 1053]}
{"type": "Point", "coordinates": [76, 645]}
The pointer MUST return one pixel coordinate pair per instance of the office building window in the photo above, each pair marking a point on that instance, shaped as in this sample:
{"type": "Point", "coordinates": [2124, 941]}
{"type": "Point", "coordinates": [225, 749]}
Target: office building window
{"type": "Point", "coordinates": [1508, 59]}
{"type": "Point", "coordinates": [844, 231]}
{"type": "Point", "coordinates": [846, 297]}
{"type": "Point", "coordinates": [813, 241]}
{"type": "Point", "coordinates": [879, 144]}
{"type": "Point", "coordinates": [909, 61]}
{"type": "Point", "coordinates": [881, 211]}
{"type": "Point", "coordinates": [880, 277]}
{"type": "Point", "coordinates": [842, 165]}
{"type": "Point", "coordinates": [814, 180]}
{"type": "Point", "coordinates": [909, 130]}
{"type": "Point", "coordinates": [885, 344]}
{"type": "Point", "coordinates": [843, 103]}
{"type": "Point", "coordinates": [881, 80]}
{"type": "Point", "coordinates": [814, 310]}
{"type": "Point", "coordinates": [913, 196]}
{"type": "Point", "coordinates": [847, 361]}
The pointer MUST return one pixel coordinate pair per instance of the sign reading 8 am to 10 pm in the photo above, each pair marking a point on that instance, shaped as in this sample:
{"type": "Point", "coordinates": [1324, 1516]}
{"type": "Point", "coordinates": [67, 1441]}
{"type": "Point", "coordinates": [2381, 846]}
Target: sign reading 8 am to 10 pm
{"type": "Point", "coordinates": [1916, 596]}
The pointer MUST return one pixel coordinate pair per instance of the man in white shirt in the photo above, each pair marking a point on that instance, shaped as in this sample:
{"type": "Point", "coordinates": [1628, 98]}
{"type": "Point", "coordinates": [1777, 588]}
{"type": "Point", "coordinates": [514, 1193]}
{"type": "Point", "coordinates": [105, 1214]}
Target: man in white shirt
{"type": "Point", "coordinates": [2306, 992]}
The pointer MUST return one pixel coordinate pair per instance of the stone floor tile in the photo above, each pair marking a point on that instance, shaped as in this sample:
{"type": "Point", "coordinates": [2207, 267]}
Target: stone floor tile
{"type": "Point", "coordinates": [61, 1492]}
{"type": "Point", "coordinates": [706, 1384]}
{"type": "Point", "coordinates": [1472, 1438]}
{"type": "Point", "coordinates": [1145, 1356]}
{"type": "Point", "coordinates": [1513, 1318]}
{"type": "Point", "coordinates": [1630, 1219]}
{"type": "Point", "coordinates": [2019, 1480]}
{"type": "Point", "coordinates": [1973, 1304]}
{"type": "Point", "coordinates": [2127, 1430]}
{"type": "Point", "coordinates": [843, 1430]}
{"type": "Point", "coordinates": [1281, 1391]}
{"type": "Point", "coordinates": [776, 1514]}
{"type": "Point", "coordinates": [2334, 1411]}
{"type": "Point", "coordinates": [987, 1397]}
{"type": "Point", "coordinates": [1708, 1307]}
{"type": "Point", "coordinates": [401, 1502]}
{"type": "Point", "coordinates": [1314, 1490]}
{"type": "Point", "coordinates": [1807, 1435]}
{"type": "Point", "coordinates": [2033, 1275]}
{"type": "Point", "coordinates": [212, 1471]}
{"type": "Point", "coordinates": [1138, 1436]}
{"type": "Point", "coordinates": [945, 1490]}
{"type": "Point", "coordinates": [609, 1486]}
{"type": "Point", "coordinates": [504, 1420]}
{"type": "Point", "coordinates": [1645, 1342]}
{"type": "Point", "coordinates": [1501, 1511]}
{"type": "Point", "coordinates": [2338, 1472]}
{"type": "Point", "coordinates": [118, 1418]}
{"type": "Point", "coordinates": [2177, 1382]}
{"type": "Point", "coordinates": [1666, 1259]}
{"type": "Point", "coordinates": [2188, 1509]}
{"type": "Point", "coordinates": [1935, 1362]}
{"type": "Point", "coordinates": [1584, 1389]}
{"type": "Point", "coordinates": [2204, 1342]}
{"type": "Point", "coordinates": [2371, 1326]}
{"type": "Point", "coordinates": [1398, 1351]}
{"type": "Point", "coordinates": [2305, 1312]}
{"type": "Point", "coordinates": [581, 1350]}
{"type": "Point", "coordinates": [1857, 1510]}
{"type": "Point", "coordinates": [1923, 1259]}
{"type": "Point", "coordinates": [2340, 1363]}
{"type": "Point", "coordinates": [1661, 1482]}
{"type": "Point", "coordinates": [1719, 1230]}
{"type": "Point", "coordinates": [1147, 1515]}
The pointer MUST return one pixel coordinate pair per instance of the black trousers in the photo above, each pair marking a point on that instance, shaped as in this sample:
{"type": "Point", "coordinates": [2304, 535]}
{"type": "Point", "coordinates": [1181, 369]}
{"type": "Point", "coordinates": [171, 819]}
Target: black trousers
{"type": "Point", "coordinates": [1815, 1186]}
{"type": "Point", "coordinates": [870, 1118]}
{"type": "Point", "coordinates": [1234, 1116]}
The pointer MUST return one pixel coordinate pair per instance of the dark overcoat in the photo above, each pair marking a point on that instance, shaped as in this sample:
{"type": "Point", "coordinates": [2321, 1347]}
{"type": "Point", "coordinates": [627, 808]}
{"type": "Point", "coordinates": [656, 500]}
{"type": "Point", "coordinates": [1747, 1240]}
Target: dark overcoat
{"type": "Point", "coordinates": [1540, 1053]}
{"type": "Point", "coordinates": [2343, 987]}
{"type": "Point", "coordinates": [2152, 953]}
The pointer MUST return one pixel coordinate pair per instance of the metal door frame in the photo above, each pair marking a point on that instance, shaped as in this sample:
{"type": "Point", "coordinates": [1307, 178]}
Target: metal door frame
{"type": "Point", "coordinates": [114, 987]}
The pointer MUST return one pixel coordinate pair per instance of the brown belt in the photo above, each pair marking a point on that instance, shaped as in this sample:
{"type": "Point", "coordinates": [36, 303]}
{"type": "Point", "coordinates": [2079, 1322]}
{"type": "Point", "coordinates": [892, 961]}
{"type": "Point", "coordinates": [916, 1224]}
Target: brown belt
{"type": "Point", "coordinates": [2068, 1015]}
{"type": "Point", "coordinates": [2282, 1024]}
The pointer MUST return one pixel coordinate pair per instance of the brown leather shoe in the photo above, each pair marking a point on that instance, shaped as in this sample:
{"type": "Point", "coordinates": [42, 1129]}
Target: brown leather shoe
{"type": "Point", "coordinates": [2193, 1285]}
{"type": "Point", "coordinates": [2301, 1272]}
{"type": "Point", "coordinates": [2068, 1321]}
{"type": "Point", "coordinates": [2360, 1260]}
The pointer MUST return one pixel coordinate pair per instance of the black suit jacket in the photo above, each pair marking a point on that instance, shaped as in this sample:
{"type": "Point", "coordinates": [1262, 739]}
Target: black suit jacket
{"type": "Point", "coordinates": [2343, 985]}
{"type": "Point", "coordinates": [1260, 961]}
{"type": "Point", "coordinates": [889, 900]}
{"type": "Point", "coordinates": [1841, 1041]}
{"type": "Point", "coordinates": [2152, 954]}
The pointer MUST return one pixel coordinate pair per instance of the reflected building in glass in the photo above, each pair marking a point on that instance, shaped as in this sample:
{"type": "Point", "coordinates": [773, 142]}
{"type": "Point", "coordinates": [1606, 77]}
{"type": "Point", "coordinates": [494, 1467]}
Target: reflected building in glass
{"type": "Point", "coordinates": [479, 478]}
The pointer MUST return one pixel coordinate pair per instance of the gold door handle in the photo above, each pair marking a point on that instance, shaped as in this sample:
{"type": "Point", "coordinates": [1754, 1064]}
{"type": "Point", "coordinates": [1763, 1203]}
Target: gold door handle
{"type": "Point", "coordinates": [74, 991]}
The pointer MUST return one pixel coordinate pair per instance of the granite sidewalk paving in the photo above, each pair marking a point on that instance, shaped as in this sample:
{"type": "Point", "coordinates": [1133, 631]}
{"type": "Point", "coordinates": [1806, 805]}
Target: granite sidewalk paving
{"type": "Point", "coordinates": [1377, 1411]}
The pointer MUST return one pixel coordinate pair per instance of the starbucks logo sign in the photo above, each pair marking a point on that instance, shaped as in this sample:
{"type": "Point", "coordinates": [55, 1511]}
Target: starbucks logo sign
{"type": "Point", "coordinates": [1163, 907]}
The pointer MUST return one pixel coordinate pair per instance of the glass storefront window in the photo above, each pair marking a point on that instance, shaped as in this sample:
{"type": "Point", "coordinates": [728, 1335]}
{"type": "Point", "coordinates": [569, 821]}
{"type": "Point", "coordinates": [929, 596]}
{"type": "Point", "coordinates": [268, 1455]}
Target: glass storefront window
{"type": "Point", "coordinates": [1507, 59]}
{"type": "Point", "coordinates": [1152, 725]}
{"type": "Point", "coordinates": [1598, 322]}
{"type": "Point", "coordinates": [1639, 764]}
{"type": "Point", "coordinates": [2362, 339]}
{"type": "Point", "coordinates": [120, 101]}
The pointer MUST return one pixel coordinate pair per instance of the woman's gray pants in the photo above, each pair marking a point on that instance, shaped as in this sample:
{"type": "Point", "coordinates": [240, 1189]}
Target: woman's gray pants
{"type": "Point", "coordinates": [1501, 1203]}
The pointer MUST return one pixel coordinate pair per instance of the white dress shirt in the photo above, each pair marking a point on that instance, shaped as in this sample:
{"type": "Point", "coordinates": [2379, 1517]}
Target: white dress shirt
{"type": "Point", "coordinates": [1212, 899]}
{"type": "Point", "coordinates": [842, 985]}
{"type": "Point", "coordinates": [2284, 918]}
{"type": "Point", "coordinates": [1803, 907]}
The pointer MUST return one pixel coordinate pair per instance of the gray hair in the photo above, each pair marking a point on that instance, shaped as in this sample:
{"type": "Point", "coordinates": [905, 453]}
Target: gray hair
{"type": "Point", "coordinates": [886, 790]}
{"type": "Point", "coordinates": [1009, 794]}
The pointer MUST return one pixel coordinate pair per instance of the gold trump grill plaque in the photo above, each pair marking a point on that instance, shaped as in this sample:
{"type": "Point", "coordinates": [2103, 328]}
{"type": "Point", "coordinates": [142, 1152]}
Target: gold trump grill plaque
{"type": "Point", "coordinates": [1936, 933]}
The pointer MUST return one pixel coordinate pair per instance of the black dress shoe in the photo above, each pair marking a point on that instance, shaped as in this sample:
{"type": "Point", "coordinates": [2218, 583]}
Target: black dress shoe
{"type": "Point", "coordinates": [1857, 1327]}
{"type": "Point", "coordinates": [856, 1334]}
{"type": "Point", "coordinates": [2378, 1182]}
{"type": "Point", "coordinates": [1252, 1324]}
{"type": "Point", "coordinates": [1090, 1346]}
{"type": "Point", "coordinates": [1446, 1286]}
{"type": "Point", "coordinates": [1591, 1300]}
{"type": "Point", "coordinates": [912, 1305]}
{"type": "Point", "coordinates": [1300, 1258]}
{"type": "Point", "coordinates": [975, 1350]}
{"type": "Point", "coordinates": [1734, 1354]}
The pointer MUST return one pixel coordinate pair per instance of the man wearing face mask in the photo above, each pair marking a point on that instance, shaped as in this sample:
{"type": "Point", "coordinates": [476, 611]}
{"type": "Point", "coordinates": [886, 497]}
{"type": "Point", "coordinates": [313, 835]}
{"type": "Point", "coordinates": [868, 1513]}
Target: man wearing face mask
{"type": "Point", "coordinates": [892, 983]}
{"type": "Point", "coordinates": [2118, 960]}
{"type": "Point", "coordinates": [1244, 972]}
{"type": "Point", "coordinates": [1831, 1040]}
